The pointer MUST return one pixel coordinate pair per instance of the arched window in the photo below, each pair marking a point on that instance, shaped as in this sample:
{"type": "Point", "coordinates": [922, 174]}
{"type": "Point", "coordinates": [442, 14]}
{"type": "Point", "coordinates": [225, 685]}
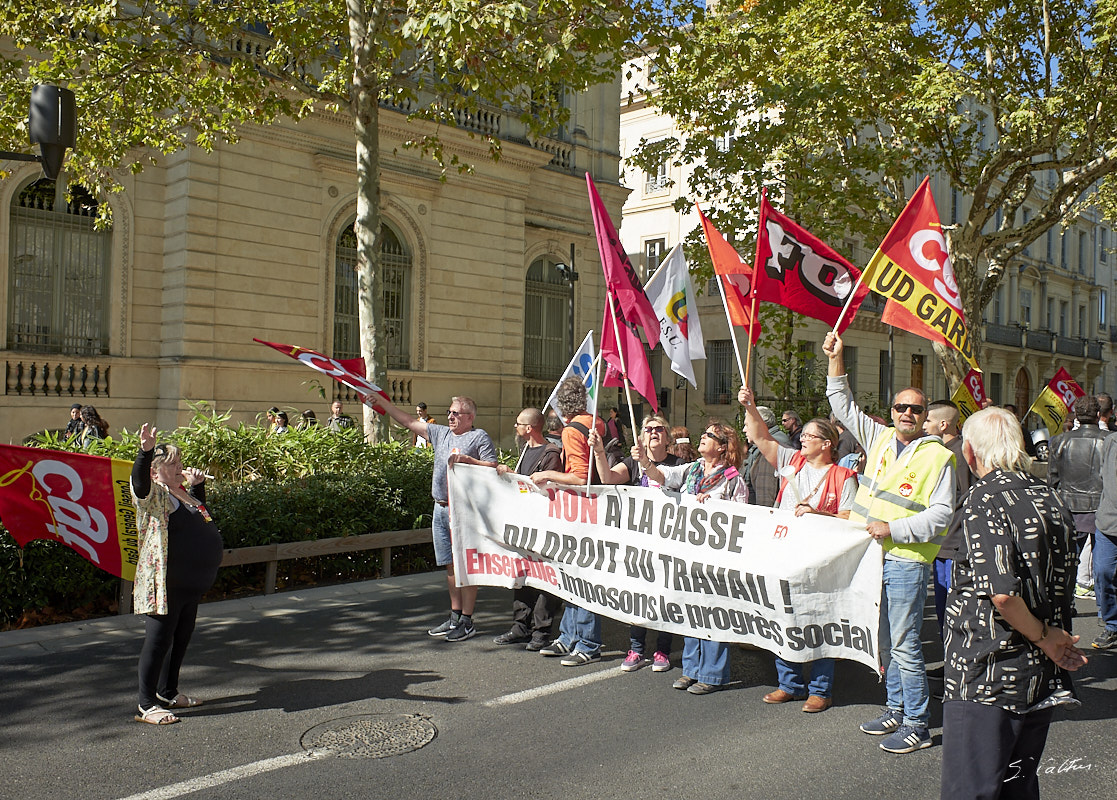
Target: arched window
{"type": "Point", "coordinates": [58, 275]}
{"type": "Point", "coordinates": [395, 272]}
{"type": "Point", "coordinates": [547, 346]}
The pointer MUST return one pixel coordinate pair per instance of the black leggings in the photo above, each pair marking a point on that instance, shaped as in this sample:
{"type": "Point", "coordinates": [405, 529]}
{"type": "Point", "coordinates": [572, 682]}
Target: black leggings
{"type": "Point", "coordinates": [166, 633]}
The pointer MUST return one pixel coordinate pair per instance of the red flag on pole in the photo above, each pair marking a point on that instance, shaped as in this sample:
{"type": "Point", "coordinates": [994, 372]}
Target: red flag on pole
{"type": "Point", "coordinates": [801, 272]}
{"type": "Point", "coordinates": [912, 269]}
{"type": "Point", "coordinates": [735, 276]}
{"type": "Point", "coordinates": [621, 279]}
{"type": "Point", "coordinates": [334, 369]}
{"type": "Point", "coordinates": [639, 373]}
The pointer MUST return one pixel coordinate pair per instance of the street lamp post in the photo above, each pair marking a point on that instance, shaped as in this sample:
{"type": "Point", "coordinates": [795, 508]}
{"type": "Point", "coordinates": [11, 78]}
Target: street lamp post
{"type": "Point", "coordinates": [52, 126]}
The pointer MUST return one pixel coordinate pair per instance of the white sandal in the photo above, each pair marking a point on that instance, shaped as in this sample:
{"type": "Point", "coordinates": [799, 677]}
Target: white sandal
{"type": "Point", "coordinates": [156, 716]}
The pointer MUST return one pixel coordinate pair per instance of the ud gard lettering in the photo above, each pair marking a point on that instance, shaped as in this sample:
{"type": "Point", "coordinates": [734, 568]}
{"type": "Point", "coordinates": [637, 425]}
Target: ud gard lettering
{"type": "Point", "coordinates": [804, 588]}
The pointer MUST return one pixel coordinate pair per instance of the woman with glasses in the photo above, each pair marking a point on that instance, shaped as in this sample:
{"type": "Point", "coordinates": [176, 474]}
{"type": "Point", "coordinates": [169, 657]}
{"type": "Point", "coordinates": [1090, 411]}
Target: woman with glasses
{"type": "Point", "coordinates": [815, 485]}
{"type": "Point", "coordinates": [714, 474]}
{"type": "Point", "coordinates": [180, 551]}
{"type": "Point", "coordinates": [655, 436]}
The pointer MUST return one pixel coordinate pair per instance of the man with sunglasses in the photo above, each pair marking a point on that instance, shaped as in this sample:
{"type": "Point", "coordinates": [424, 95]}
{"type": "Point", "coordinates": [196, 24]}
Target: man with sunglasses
{"type": "Point", "coordinates": [906, 502]}
{"type": "Point", "coordinates": [456, 438]}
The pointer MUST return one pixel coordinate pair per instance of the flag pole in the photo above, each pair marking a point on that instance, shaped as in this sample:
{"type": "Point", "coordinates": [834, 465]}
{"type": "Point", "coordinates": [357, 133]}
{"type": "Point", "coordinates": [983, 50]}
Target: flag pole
{"type": "Point", "coordinates": [620, 354]}
{"type": "Point", "coordinates": [596, 368]}
{"type": "Point", "coordinates": [746, 379]}
{"type": "Point", "coordinates": [732, 329]}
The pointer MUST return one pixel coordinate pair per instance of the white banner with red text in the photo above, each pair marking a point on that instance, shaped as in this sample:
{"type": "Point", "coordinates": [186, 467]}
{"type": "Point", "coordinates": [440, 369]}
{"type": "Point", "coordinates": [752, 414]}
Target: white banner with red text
{"type": "Point", "coordinates": [802, 587]}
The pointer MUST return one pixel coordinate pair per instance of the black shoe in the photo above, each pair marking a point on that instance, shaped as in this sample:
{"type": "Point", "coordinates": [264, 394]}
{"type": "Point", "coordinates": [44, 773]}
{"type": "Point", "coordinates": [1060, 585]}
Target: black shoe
{"type": "Point", "coordinates": [511, 638]}
{"type": "Point", "coordinates": [535, 645]}
{"type": "Point", "coordinates": [1105, 640]}
{"type": "Point", "coordinates": [555, 648]}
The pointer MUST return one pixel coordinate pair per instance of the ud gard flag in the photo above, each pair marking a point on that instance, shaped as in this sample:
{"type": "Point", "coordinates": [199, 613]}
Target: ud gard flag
{"type": "Point", "coordinates": [912, 269]}
{"type": "Point", "coordinates": [803, 587]}
{"type": "Point", "coordinates": [340, 372]}
{"type": "Point", "coordinates": [672, 296]}
{"type": "Point", "coordinates": [581, 366]}
{"type": "Point", "coordinates": [801, 272]}
{"type": "Point", "coordinates": [80, 500]}
{"type": "Point", "coordinates": [1056, 400]}
{"type": "Point", "coordinates": [735, 277]}
{"type": "Point", "coordinates": [970, 395]}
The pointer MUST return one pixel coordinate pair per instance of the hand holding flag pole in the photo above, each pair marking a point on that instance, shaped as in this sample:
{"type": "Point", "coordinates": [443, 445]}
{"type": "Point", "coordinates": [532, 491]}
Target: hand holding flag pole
{"type": "Point", "coordinates": [596, 378]}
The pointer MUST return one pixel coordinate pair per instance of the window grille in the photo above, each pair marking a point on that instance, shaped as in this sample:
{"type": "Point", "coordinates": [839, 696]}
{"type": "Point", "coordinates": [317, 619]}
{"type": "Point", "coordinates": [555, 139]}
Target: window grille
{"type": "Point", "coordinates": [547, 346]}
{"type": "Point", "coordinates": [58, 276]}
{"type": "Point", "coordinates": [395, 277]}
{"type": "Point", "coordinates": [719, 372]}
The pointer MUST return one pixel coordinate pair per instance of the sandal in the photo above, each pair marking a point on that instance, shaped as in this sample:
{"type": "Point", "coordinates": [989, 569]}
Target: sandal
{"type": "Point", "coordinates": [156, 716]}
{"type": "Point", "coordinates": [180, 701]}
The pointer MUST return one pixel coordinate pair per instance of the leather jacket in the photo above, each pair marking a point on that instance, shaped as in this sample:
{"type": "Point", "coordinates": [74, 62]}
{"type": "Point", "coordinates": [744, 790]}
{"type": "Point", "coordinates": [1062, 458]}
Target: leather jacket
{"type": "Point", "coordinates": [1074, 467]}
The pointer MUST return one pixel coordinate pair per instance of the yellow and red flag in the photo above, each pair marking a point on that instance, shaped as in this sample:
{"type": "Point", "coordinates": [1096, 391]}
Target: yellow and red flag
{"type": "Point", "coordinates": [735, 276]}
{"type": "Point", "coordinates": [1056, 400]}
{"type": "Point", "coordinates": [912, 269]}
{"type": "Point", "coordinates": [80, 500]}
{"type": "Point", "coordinates": [970, 395]}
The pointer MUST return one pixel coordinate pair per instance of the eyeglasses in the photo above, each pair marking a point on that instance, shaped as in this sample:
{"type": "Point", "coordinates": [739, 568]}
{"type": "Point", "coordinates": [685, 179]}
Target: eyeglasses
{"type": "Point", "coordinates": [655, 429]}
{"type": "Point", "coordinates": [160, 450]}
{"type": "Point", "coordinates": [714, 436]}
{"type": "Point", "coordinates": [517, 424]}
{"type": "Point", "coordinates": [914, 408]}
{"type": "Point", "coordinates": [452, 413]}
{"type": "Point", "coordinates": [809, 436]}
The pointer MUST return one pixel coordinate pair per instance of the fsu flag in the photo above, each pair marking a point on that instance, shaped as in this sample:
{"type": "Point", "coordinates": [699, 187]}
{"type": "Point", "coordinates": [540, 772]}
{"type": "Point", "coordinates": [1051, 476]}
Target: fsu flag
{"type": "Point", "coordinates": [621, 280]}
{"type": "Point", "coordinates": [341, 371]}
{"type": "Point", "coordinates": [970, 395]}
{"type": "Point", "coordinates": [639, 374]}
{"type": "Point", "coordinates": [1056, 400]}
{"type": "Point", "coordinates": [735, 276]}
{"type": "Point", "coordinates": [80, 500]}
{"type": "Point", "coordinates": [800, 272]}
{"type": "Point", "coordinates": [671, 293]}
{"type": "Point", "coordinates": [912, 269]}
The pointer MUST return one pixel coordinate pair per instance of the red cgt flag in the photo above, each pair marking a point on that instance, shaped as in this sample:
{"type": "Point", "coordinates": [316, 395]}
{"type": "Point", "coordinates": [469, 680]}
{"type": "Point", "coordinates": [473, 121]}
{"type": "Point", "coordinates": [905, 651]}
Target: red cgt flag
{"type": "Point", "coordinates": [801, 272]}
{"type": "Point", "coordinates": [735, 276]}
{"type": "Point", "coordinates": [343, 372]}
{"type": "Point", "coordinates": [80, 500]}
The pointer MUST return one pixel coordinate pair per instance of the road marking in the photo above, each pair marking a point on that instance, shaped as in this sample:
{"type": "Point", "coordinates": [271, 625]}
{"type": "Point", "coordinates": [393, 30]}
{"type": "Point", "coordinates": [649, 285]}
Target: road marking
{"type": "Point", "coordinates": [227, 776]}
{"type": "Point", "coordinates": [553, 688]}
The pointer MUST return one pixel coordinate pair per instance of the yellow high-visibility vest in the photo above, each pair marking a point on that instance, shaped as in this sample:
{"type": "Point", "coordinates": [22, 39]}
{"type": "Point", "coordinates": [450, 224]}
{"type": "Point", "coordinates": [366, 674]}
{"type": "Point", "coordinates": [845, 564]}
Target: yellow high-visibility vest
{"type": "Point", "coordinates": [894, 488]}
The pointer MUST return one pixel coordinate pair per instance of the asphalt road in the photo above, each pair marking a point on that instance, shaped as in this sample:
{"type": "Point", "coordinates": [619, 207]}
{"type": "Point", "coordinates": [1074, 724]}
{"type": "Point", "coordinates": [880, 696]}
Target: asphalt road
{"type": "Point", "coordinates": [506, 723]}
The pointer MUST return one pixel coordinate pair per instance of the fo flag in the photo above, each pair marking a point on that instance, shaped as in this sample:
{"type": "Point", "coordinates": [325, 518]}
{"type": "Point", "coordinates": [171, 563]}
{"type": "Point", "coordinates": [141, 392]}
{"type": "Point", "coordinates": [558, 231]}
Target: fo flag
{"type": "Point", "coordinates": [800, 272]}
{"type": "Point", "coordinates": [735, 276]}
{"type": "Point", "coordinates": [912, 269]}
{"type": "Point", "coordinates": [671, 293]}
{"type": "Point", "coordinates": [344, 372]}
{"type": "Point", "coordinates": [581, 366]}
{"type": "Point", "coordinates": [1056, 400]}
{"type": "Point", "coordinates": [621, 280]}
{"type": "Point", "coordinates": [80, 500]}
{"type": "Point", "coordinates": [970, 394]}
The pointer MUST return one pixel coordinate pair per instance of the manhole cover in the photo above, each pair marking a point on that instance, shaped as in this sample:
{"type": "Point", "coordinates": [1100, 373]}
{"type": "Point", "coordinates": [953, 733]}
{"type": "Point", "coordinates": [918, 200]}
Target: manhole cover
{"type": "Point", "coordinates": [370, 735]}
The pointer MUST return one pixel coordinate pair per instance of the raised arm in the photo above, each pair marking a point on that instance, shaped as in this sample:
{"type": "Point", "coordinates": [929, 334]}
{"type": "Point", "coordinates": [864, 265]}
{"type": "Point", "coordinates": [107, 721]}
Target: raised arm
{"type": "Point", "coordinates": [141, 467]}
{"type": "Point", "coordinates": [757, 429]}
{"type": "Point", "coordinates": [416, 426]}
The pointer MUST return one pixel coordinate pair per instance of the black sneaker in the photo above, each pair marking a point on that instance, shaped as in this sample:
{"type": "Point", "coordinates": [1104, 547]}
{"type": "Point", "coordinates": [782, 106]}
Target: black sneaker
{"type": "Point", "coordinates": [1105, 640]}
{"type": "Point", "coordinates": [555, 648]}
{"type": "Point", "coordinates": [535, 645]}
{"type": "Point", "coordinates": [511, 638]}
{"type": "Point", "coordinates": [447, 626]}
{"type": "Point", "coordinates": [463, 631]}
{"type": "Point", "coordinates": [886, 723]}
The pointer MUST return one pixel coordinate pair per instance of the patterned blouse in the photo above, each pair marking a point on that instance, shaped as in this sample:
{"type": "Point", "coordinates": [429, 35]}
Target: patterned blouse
{"type": "Point", "coordinates": [1019, 542]}
{"type": "Point", "coordinates": [149, 592]}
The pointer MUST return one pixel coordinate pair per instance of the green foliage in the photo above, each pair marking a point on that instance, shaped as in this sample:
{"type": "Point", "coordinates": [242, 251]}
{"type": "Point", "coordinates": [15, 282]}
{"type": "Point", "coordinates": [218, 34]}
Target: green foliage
{"type": "Point", "coordinates": [303, 485]}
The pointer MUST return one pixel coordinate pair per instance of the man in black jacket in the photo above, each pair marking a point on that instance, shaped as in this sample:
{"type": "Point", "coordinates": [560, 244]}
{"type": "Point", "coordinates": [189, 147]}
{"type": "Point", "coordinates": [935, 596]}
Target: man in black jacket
{"type": "Point", "coordinates": [1074, 469]}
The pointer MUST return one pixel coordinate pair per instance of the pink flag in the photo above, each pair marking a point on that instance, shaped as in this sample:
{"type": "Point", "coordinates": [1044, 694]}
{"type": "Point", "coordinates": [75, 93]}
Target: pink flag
{"type": "Point", "coordinates": [621, 280]}
{"type": "Point", "coordinates": [639, 374]}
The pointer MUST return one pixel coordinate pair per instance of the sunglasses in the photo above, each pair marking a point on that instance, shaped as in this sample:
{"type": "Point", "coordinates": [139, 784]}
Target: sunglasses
{"type": "Point", "coordinates": [655, 429]}
{"type": "Point", "coordinates": [715, 437]}
{"type": "Point", "coordinates": [809, 436]}
{"type": "Point", "coordinates": [455, 413]}
{"type": "Point", "coordinates": [914, 408]}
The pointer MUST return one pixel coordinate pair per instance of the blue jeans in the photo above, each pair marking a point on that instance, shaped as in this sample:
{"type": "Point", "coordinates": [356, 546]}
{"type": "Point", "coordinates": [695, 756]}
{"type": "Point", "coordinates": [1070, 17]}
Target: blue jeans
{"type": "Point", "coordinates": [706, 661]}
{"type": "Point", "coordinates": [1105, 579]}
{"type": "Point", "coordinates": [790, 675]}
{"type": "Point", "coordinates": [941, 574]}
{"type": "Point", "coordinates": [580, 630]}
{"type": "Point", "coordinates": [440, 528]}
{"type": "Point", "coordinates": [638, 637]}
{"type": "Point", "coordinates": [901, 648]}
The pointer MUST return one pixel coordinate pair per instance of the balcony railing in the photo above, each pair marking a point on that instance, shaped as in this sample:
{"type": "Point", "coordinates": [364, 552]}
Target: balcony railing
{"type": "Point", "coordinates": [55, 379]}
{"type": "Point", "coordinates": [1068, 346]}
{"type": "Point", "coordinates": [1040, 340]}
{"type": "Point", "coordinates": [1008, 335]}
{"type": "Point", "coordinates": [1093, 350]}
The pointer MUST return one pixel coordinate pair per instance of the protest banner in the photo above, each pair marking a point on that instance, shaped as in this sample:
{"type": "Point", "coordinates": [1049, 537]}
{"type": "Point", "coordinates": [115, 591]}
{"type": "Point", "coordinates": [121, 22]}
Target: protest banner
{"type": "Point", "coordinates": [802, 587]}
{"type": "Point", "coordinates": [80, 500]}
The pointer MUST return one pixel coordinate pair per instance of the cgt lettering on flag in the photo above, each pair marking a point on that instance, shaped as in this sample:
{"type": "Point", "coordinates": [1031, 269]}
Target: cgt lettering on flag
{"type": "Point", "coordinates": [924, 303]}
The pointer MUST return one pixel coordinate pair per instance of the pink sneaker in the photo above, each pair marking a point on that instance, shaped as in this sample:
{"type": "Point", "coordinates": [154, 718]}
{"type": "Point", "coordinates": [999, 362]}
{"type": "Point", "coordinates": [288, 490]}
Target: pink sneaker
{"type": "Point", "coordinates": [660, 662]}
{"type": "Point", "coordinates": [633, 661]}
